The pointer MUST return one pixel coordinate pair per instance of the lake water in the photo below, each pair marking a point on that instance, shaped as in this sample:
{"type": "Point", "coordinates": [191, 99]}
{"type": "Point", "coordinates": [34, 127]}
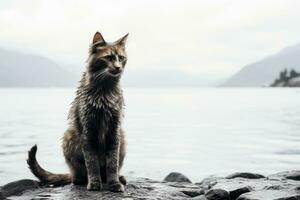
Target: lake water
{"type": "Point", "coordinates": [196, 131]}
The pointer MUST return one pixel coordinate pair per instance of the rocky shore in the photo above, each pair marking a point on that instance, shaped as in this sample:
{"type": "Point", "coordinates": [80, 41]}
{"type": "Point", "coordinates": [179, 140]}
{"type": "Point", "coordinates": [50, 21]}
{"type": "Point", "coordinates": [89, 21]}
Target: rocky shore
{"type": "Point", "coordinates": [240, 186]}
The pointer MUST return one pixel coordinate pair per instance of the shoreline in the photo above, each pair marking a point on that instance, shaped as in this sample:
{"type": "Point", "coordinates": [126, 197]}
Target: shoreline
{"type": "Point", "coordinates": [236, 186]}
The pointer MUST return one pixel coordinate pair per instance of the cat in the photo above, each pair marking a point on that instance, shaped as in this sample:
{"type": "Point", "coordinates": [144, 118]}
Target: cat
{"type": "Point", "coordinates": [94, 143]}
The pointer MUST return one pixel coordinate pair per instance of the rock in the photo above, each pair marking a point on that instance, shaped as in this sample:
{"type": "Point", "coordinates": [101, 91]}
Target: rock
{"type": "Point", "coordinates": [274, 187]}
{"type": "Point", "coordinates": [234, 194]}
{"type": "Point", "coordinates": [293, 175]}
{"type": "Point", "coordinates": [217, 194]}
{"type": "Point", "coordinates": [245, 175]}
{"type": "Point", "coordinates": [177, 177]}
{"type": "Point", "coordinates": [271, 195]}
{"type": "Point", "coordinates": [235, 187]}
{"type": "Point", "coordinates": [193, 193]}
{"type": "Point", "coordinates": [18, 187]}
{"type": "Point", "coordinates": [208, 183]}
{"type": "Point", "coordinates": [182, 185]}
{"type": "Point", "coordinates": [1, 196]}
{"type": "Point", "coordinates": [202, 197]}
{"type": "Point", "coordinates": [135, 189]}
{"type": "Point", "coordinates": [279, 187]}
{"type": "Point", "coordinates": [238, 186]}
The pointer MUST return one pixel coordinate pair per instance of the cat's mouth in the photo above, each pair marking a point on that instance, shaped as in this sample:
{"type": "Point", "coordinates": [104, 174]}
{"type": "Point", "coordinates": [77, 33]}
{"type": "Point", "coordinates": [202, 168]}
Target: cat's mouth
{"type": "Point", "coordinates": [115, 73]}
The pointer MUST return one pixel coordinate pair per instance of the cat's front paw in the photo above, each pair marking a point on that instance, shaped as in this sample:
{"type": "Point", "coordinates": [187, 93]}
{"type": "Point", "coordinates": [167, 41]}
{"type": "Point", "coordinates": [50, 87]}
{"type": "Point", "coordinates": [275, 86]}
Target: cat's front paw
{"type": "Point", "coordinates": [116, 187]}
{"type": "Point", "coordinates": [94, 186]}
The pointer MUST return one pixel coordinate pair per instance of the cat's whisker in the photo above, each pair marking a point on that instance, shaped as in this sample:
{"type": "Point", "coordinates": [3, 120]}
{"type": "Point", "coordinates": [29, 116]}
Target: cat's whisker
{"type": "Point", "coordinates": [100, 75]}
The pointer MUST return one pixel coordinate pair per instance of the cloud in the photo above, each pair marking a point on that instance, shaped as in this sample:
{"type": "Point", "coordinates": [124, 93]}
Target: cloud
{"type": "Point", "coordinates": [193, 36]}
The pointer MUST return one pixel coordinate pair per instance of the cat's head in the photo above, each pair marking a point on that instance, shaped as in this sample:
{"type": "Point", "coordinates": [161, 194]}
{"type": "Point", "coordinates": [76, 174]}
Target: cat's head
{"type": "Point", "coordinates": [107, 60]}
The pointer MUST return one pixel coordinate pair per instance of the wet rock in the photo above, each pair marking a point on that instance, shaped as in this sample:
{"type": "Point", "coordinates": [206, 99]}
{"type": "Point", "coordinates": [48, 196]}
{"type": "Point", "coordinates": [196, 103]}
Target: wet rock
{"type": "Point", "coordinates": [193, 193]}
{"type": "Point", "coordinates": [208, 183]}
{"type": "Point", "coordinates": [177, 177]}
{"type": "Point", "coordinates": [274, 187]}
{"type": "Point", "coordinates": [211, 188]}
{"type": "Point", "coordinates": [135, 189]}
{"type": "Point", "coordinates": [202, 197]}
{"type": "Point", "coordinates": [245, 175]}
{"type": "Point", "coordinates": [293, 175]}
{"type": "Point", "coordinates": [236, 186]}
{"type": "Point", "coordinates": [217, 194]}
{"type": "Point", "coordinates": [18, 187]}
{"type": "Point", "coordinates": [183, 185]}
{"type": "Point", "coordinates": [1, 196]}
{"type": "Point", "coordinates": [234, 194]}
{"type": "Point", "coordinates": [271, 195]}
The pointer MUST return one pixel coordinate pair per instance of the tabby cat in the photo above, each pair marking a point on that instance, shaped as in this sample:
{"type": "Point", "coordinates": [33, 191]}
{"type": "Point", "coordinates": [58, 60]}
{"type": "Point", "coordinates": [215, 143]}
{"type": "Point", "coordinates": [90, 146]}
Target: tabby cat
{"type": "Point", "coordinates": [94, 143]}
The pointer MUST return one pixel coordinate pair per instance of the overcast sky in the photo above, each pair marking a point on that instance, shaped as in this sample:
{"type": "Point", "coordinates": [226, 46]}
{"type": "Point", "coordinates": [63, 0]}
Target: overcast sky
{"type": "Point", "coordinates": [195, 36]}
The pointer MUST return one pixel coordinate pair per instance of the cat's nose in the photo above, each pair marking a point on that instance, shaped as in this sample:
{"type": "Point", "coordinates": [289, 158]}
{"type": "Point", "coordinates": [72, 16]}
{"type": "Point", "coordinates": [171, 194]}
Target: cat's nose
{"type": "Point", "coordinates": [117, 67]}
{"type": "Point", "coordinates": [116, 70]}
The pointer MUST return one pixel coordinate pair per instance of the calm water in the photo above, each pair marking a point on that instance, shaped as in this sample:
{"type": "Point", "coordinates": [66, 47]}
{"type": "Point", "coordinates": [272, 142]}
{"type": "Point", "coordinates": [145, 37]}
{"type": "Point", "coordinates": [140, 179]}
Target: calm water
{"type": "Point", "coordinates": [195, 131]}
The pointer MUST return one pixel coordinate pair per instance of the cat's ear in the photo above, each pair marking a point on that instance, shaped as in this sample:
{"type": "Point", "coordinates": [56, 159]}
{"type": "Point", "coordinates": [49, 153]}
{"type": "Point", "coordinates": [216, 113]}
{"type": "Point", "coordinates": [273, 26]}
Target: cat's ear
{"type": "Point", "coordinates": [98, 38]}
{"type": "Point", "coordinates": [122, 41]}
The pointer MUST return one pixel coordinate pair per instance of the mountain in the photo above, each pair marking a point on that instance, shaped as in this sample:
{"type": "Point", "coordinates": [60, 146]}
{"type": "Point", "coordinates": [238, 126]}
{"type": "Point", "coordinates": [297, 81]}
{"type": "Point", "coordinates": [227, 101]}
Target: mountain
{"type": "Point", "coordinates": [25, 70]}
{"type": "Point", "coordinates": [264, 72]}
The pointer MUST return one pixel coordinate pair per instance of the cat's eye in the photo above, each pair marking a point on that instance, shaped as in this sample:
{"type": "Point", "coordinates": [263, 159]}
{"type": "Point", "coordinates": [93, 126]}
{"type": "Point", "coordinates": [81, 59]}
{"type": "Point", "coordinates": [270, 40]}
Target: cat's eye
{"type": "Point", "coordinates": [109, 57]}
{"type": "Point", "coordinates": [121, 58]}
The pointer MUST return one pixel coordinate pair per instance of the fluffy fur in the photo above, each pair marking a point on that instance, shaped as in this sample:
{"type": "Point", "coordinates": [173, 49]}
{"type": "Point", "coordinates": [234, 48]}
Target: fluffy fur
{"type": "Point", "coordinates": [94, 143]}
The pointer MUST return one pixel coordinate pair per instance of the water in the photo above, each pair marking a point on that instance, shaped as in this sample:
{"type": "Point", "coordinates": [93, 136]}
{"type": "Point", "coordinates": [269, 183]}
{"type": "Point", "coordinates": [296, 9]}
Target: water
{"type": "Point", "coordinates": [198, 132]}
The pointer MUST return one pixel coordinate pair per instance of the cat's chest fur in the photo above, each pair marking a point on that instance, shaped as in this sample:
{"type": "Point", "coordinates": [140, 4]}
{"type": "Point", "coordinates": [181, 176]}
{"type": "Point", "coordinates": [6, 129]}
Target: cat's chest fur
{"type": "Point", "coordinates": [104, 106]}
{"type": "Point", "coordinates": [110, 102]}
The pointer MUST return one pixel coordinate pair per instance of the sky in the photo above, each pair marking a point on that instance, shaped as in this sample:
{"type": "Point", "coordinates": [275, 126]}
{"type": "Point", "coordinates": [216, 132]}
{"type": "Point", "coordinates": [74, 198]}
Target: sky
{"type": "Point", "coordinates": [212, 38]}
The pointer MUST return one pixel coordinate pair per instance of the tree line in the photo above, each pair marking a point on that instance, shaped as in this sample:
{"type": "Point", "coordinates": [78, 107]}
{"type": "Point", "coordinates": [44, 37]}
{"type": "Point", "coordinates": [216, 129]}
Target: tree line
{"type": "Point", "coordinates": [285, 76]}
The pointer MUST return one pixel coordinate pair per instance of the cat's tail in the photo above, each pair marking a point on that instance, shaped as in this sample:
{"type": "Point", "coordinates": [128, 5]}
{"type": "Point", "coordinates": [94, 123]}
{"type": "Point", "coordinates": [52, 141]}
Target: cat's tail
{"type": "Point", "coordinates": [44, 176]}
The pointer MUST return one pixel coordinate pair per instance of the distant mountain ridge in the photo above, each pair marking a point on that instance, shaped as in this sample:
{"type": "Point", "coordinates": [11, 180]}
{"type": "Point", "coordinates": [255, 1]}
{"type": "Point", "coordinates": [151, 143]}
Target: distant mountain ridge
{"type": "Point", "coordinates": [27, 70]}
{"type": "Point", "coordinates": [264, 72]}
